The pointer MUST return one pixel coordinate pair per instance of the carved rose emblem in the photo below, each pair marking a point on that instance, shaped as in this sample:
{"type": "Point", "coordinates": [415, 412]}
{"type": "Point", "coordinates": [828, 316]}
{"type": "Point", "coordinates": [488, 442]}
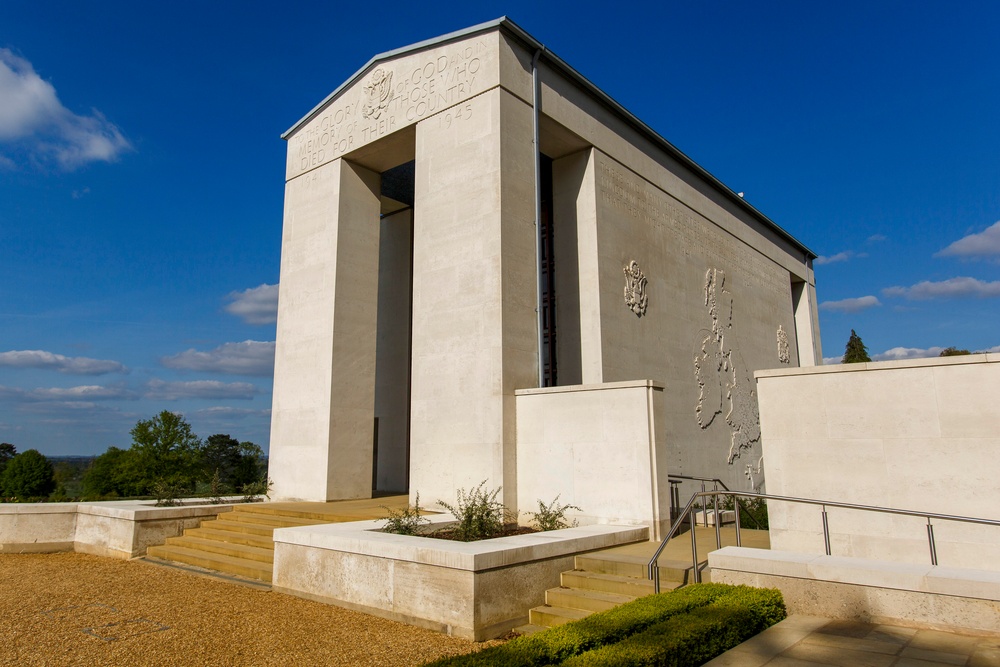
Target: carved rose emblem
{"type": "Point", "coordinates": [635, 289]}
{"type": "Point", "coordinates": [379, 92]}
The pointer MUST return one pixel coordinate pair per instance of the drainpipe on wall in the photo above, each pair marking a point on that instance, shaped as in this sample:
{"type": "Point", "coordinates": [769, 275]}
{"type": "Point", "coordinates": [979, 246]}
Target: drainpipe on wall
{"type": "Point", "coordinates": [538, 213]}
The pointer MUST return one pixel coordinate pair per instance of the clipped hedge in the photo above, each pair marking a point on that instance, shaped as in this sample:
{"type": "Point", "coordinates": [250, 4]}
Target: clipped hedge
{"type": "Point", "coordinates": [693, 638]}
{"type": "Point", "coordinates": [555, 645]}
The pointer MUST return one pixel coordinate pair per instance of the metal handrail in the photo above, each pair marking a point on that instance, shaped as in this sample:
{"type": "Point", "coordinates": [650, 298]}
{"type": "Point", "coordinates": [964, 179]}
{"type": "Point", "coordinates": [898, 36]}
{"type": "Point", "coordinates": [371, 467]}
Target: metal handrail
{"type": "Point", "coordinates": [716, 482]}
{"type": "Point", "coordinates": [653, 571]}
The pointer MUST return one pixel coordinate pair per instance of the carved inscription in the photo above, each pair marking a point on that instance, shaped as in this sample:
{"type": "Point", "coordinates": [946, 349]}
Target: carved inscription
{"type": "Point", "coordinates": [725, 385]}
{"type": "Point", "coordinates": [690, 233]}
{"type": "Point", "coordinates": [395, 95]}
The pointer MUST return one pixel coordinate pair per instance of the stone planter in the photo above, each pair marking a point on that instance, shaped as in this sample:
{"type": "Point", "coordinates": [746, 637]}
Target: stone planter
{"type": "Point", "coordinates": [473, 590]}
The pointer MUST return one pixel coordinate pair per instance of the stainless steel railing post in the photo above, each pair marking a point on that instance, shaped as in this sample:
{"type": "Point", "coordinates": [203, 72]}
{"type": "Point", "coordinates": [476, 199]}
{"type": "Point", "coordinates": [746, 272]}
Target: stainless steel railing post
{"type": "Point", "coordinates": [715, 510]}
{"type": "Point", "coordinates": [736, 506]}
{"type": "Point", "coordinates": [704, 505]}
{"type": "Point", "coordinates": [826, 532]}
{"type": "Point", "coordinates": [696, 575]}
{"type": "Point", "coordinates": [930, 540]}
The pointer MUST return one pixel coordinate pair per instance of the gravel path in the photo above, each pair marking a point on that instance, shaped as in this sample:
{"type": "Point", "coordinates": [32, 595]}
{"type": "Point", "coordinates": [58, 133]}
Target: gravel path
{"type": "Point", "coordinates": [75, 609]}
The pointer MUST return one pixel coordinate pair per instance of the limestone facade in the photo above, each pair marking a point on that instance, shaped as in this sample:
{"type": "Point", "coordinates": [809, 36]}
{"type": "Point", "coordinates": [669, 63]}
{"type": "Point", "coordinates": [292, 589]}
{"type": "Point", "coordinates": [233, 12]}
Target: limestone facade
{"type": "Point", "coordinates": [407, 318]}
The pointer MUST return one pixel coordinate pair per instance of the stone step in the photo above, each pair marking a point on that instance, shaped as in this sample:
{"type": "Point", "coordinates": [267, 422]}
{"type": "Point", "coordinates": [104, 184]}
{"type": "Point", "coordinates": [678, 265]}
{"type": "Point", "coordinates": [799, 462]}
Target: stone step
{"type": "Point", "coordinates": [238, 566]}
{"type": "Point", "coordinates": [529, 629]}
{"type": "Point", "coordinates": [239, 527]}
{"type": "Point", "coordinates": [270, 520]}
{"type": "Point", "coordinates": [578, 598]}
{"type": "Point", "coordinates": [611, 583]}
{"type": "Point", "coordinates": [231, 537]}
{"type": "Point", "coordinates": [624, 565]}
{"type": "Point", "coordinates": [259, 554]}
{"type": "Point", "coordinates": [319, 517]}
{"type": "Point", "coordinates": [550, 617]}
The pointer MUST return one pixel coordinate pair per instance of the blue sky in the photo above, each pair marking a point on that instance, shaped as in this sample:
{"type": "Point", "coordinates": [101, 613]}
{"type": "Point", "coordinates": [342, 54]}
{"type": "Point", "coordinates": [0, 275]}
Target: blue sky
{"type": "Point", "coordinates": [141, 175]}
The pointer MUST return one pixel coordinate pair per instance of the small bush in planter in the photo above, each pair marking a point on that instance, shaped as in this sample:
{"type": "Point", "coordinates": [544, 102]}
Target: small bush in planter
{"type": "Point", "coordinates": [479, 514]}
{"type": "Point", "coordinates": [553, 515]}
{"type": "Point", "coordinates": [406, 521]}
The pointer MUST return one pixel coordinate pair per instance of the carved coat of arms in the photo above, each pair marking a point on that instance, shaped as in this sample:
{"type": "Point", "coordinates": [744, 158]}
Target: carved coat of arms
{"type": "Point", "coordinates": [783, 355]}
{"type": "Point", "coordinates": [378, 92]}
{"type": "Point", "coordinates": [635, 289]}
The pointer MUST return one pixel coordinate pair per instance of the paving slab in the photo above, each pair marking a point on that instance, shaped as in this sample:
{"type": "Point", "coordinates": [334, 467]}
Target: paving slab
{"type": "Point", "coordinates": [810, 641]}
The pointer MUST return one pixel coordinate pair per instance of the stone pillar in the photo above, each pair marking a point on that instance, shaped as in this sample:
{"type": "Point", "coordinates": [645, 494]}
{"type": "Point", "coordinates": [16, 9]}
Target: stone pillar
{"type": "Point", "coordinates": [578, 287]}
{"type": "Point", "coordinates": [806, 315]}
{"type": "Point", "coordinates": [392, 375]}
{"type": "Point", "coordinates": [474, 326]}
{"type": "Point", "coordinates": [322, 420]}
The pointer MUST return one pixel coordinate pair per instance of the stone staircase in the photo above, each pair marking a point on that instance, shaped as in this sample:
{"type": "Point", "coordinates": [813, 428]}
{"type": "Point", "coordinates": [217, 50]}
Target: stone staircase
{"type": "Point", "coordinates": [605, 579]}
{"type": "Point", "coordinates": [241, 542]}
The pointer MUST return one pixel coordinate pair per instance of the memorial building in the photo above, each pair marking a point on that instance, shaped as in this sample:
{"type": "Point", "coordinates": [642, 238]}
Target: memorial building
{"type": "Point", "coordinates": [491, 270]}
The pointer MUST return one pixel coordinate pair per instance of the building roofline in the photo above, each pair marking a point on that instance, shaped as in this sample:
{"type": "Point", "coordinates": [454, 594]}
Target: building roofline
{"type": "Point", "coordinates": [565, 68]}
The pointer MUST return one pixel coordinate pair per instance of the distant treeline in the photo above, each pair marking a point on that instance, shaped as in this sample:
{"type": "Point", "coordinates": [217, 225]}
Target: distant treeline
{"type": "Point", "coordinates": [165, 458]}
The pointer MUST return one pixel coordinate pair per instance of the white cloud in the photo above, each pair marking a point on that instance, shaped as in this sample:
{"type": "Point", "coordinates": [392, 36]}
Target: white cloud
{"type": "Point", "coordinates": [827, 361]}
{"type": "Point", "coordinates": [172, 391]}
{"type": "Point", "coordinates": [831, 259]}
{"type": "Point", "coordinates": [876, 238]}
{"type": "Point", "coordinates": [75, 395]}
{"type": "Point", "coordinates": [58, 362]}
{"type": "Point", "coordinates": [223, 412]}
{"type": "Point", "coordinates": [947, 289]}
{"type": "Point", "coordinates": [33, 116]}
{"type": "Point", "coordinates": [983, 244]}
{"type": "Point", "coordinates": [851, 305]}
{"type": "Point", "coordinates": [898, 353]}
{"type": "Point", "coordinates": [251, 357]}
{"type": "Point", "coordinates": [257, 305]}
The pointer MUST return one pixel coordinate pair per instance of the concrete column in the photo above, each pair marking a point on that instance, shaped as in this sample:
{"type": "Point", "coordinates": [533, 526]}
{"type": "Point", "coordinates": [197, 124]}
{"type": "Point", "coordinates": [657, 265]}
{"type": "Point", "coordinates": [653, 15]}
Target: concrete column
{"type": "Point", "coordinates": [806, 313]}
{"type": "Point", "coordinates": [322, 419]}
{"type": "Point", "coordinates": [392, 374]}
{"type": "Point", "coordinates": [578, 294]}
{"type": "Point", "coordinates": [474, 327]}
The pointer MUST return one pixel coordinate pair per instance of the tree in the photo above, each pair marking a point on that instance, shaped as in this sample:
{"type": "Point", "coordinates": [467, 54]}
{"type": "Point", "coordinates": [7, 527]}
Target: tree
{"type": "Point", "coordinates": [111, 474]}
{"type": "Point", "coordinates": [238, 462]}
{"type": "Point", "coordinates": [953, 352]}
{"type": "Point", "coordinates": [856, 351]}
{"type": "Point", "coordinates": [164, 449]}
{"type": "Point", "coordinates": [28, 475]}
{"type": "Point", "coordinates": [7, 452]}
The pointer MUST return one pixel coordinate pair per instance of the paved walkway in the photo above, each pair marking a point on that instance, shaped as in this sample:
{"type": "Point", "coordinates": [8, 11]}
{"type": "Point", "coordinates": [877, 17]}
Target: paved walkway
{"type": "Point", "coordinates": [808, 641]}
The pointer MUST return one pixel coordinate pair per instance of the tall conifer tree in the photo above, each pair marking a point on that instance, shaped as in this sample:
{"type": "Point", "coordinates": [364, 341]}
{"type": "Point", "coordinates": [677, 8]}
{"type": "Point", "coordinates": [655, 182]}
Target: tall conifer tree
{"type": "Point", "coordinates": [856, 351]}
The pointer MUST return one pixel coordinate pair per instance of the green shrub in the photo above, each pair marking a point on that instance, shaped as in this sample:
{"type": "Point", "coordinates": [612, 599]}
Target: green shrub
{"type": "Point", "coordinates": [693, 638]}
{"type": "Point", "coordinates": [552, 516]}
{"type": "Point", "coordinates": [607, 627]}
{"type": "Point", "coordinates": [406, 521]}
{"type": "Point", "coordinates": [479, 514]}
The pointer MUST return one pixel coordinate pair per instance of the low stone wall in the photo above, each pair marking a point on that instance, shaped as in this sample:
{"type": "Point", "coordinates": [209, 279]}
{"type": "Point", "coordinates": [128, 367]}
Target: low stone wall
{"type": "Point", "coordinates": [473, 590]}
{"type": "Point", "coordinates": [930, 596]}
{"type": "Point", "coordinates": [603, 446]}
{"type": "Point", "coordinates": [119, 529]}
{"type": "Point", "coordinates": [921, 434]}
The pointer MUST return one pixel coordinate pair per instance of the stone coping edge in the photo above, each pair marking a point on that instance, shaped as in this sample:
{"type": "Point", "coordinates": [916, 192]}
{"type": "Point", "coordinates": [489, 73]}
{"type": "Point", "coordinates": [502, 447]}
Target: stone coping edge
{"type": "Point", "coordinates": [366, 537]}
{"type": "Point", "coordinates": [931, 579]}
{"type": "Point", "coordinates": [132, 510]}
{"type": "Point", "coordinates": [626, 384]}
{"type": "Point", "coordinates": [965, 359]}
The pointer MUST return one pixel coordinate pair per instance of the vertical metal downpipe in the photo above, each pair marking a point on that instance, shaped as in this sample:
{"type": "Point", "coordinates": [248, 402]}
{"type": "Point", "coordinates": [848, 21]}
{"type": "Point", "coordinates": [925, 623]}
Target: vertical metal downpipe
{"type": "Point", "coordinates": [538, 215]}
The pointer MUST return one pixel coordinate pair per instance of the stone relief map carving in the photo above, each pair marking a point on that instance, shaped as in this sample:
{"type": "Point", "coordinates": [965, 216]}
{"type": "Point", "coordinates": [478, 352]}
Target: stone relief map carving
{"type": "Point", "coordinates": [635, 289]}
{"type": "Point", "coordinates": [725, 385]}
{"type": "Point", "coordinates": [783, 346]}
